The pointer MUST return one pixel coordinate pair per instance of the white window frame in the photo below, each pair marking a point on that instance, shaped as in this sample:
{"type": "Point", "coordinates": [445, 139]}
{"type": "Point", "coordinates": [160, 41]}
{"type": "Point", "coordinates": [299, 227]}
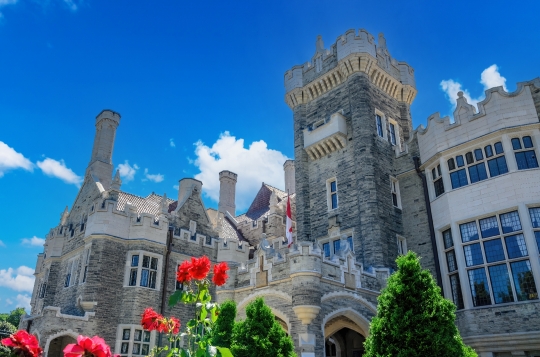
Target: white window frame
{"type": "Point", "coordinates": [204, 241]}
{"type": "Point", "coordinates": [132, 328]}
{"type": "Point", "coordinates": [71, 270]}
{"type": "Point", "coordinates": [397, 137]}
{"type": "Point", "coordinates": [128, 268]}
{"type": "Point", "coordinates": [329, 194]}
{"type": "Point", "coordinates": [394, 189]}
{"type": "Point", "coordinates": [383, 125]}
{"type": "Point", "coordinates": [85, 260]}
{"type": "Point", "coordinates": [401, 244]}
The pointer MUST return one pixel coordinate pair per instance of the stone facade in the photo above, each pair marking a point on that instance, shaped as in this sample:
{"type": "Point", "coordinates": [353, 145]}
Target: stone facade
{"type": "Point", "coordinates": [364, 187]}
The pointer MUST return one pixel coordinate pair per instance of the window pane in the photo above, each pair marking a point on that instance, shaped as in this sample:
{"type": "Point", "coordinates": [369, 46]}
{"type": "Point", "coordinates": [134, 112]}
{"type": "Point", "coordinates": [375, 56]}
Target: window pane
{"type": "Point", "coordinates": [447, 238]}
{"type": "Point", "coordinates": [478, 154]}
{"type": "Point", "coordinates": [144, 277]}
{"type": "Point", "coordinates": [535, 216]}
{"type": "Point", "coordinates": [350, 241]}
{"type": "Point", "coordinates": [153, 279]}
{"type": "Point", "coordinates": [498, 148]}
{"type": "Point", "coordinates": [439, 170]}
{"type": "Point", "coordinates": [473, 254]}
{"type": "Point", "coordinates": [146, 261]}
{"type": "Point", "coordinates": [136, 348]}
{"type": "Point", "coordinates": [489, 151]}
{"type": "Point", "coordinates": [451, 261]}
{"type": "Point", "coordinates": [336, 246]}
{"type": "Point", "coordinates": [145, 349]}
{"type": "Point", "coordinates": [459, 160]}
{"type": "Point", "coordinates": [497, 166]}
{"type": "Point", "coordinates": [530, 156]}
{"type": "Point", "coordinates": [478, 172]}
{"type": "Point", "coordinates": [392, 134]}
{"type": "Point", "coordinates": [527, 142]}
{"type": "Point", "coordinates": [133, 277]}
{"type": "Point", "coordinates": [456, 291]}
{"type": "Point", "coordinates": [458, 178]}
{"type": "Point", "coordinates": [451, 164]}
{"type": "Point", "coordinates": [126, 333]}
{"type": "Point", "coordinates": [394, 199]}
{"type": "Point", "coordinates": [500, 283]}
{"type": "Point", "coordinates": [537, 236]}
{"type": "Point", "coordinates": [137, 336]}
{"type": "Point", "coordinates": [469, 158]}
{"type": "Point", "coordinates": [494, 250]}
{"type": "Point", "coordinates": [439, 187]}
{"type": "Point", "coordinates": [510, 222]}
{"type": "Point", "coordinates": [469, 232]}
{"type": "Point", "coordinates": [146, 336]}
{"type": "Point", "coordinates": [334, 200]}
{"type": "Point", "coordinates": [521, 161]}
{"type": "Point", "coordinates": [153, 264]}
{"type": "Point", "coordinates": [208, 240]}
{"type": "Point", "coordinates": [326, 248]}
{"type": "Point", "coordinates": [433, 174]}
{"type": "Point", "coordinates": [479, 287]}
{"type": "Point", "coordinates": [333, 186]}
{"type": "Point", "coordinates": [134, 260]}
{"type": "Point", "coordinates": [516, 144]}
{"type": "Point", "coordinates": [524, 280]}
{"type": "Point", "coordinates": [379, 125]}
{"type": "Point", "coordinates": [515, 246]}
{"type": "Point", "coordinates": [124, 348]}
{"type": "Point", "coordinates": [489, 227]}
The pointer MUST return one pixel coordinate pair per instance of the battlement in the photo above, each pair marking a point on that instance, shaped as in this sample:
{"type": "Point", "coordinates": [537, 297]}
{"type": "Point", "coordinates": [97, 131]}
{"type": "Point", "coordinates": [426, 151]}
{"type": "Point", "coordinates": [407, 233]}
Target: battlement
{"type": "Point", "coordinates": [350, 53]}
{"type": "Point", "coordinates": [228, 174]}
{"type": "Point", "coordinates": [499, 110]}
{"type": "Point", "coordinates": [108, 114]}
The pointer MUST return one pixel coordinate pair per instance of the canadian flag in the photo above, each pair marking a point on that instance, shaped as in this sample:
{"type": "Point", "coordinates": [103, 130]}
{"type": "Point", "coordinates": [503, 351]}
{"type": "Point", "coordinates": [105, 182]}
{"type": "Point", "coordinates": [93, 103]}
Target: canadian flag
{"type": "Point", "coordinates": [289, 223]}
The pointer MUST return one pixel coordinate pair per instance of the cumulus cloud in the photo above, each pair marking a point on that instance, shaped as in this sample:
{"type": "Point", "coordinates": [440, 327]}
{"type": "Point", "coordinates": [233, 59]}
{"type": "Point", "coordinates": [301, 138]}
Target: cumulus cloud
{"type": "Point", "coordinates": [489, 78]}
{"type": "Point", "coordinates": [254, 165]}
{"type": "Point", "coordinates": [58, 169]}
{"type": "Point", "coordinates": [9, 301]}
{"type": "Point", "coordinates": [127, 172]}
{"type": "Point", "coordinates": [171, 142]}
{"type": "Point", "coordinates": [34, 241]}
{"type": "Point", "coordinates": [20, 279]}
{"type": "Point", "coordinates": [23, 301]}
{"type": "Point", "coordinates": [151, 177]}
{"type": "Point", "coordinates": [2, 244]}
{"type": "Point", "coordinates": [11, 159]}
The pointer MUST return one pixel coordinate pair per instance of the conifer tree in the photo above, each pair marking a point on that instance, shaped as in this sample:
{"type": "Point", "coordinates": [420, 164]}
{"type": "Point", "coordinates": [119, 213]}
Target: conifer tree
{"type": "Point", "coordinates": [413, 318]}
{"type": "Point", "coordinates": [260, 335]}
{"type": "Point", "coordinates": [223, 328]}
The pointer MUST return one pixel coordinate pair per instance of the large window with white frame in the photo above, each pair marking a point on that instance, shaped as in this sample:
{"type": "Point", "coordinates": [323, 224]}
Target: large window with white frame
{"type": "Point", "coordinates": [379, 122]}
{"type": "Point", "coordinates": [524, 152]}
{"type": "Point", "coordinates": [534, 213]}
{"type": "Point", "coordinates": [394, 189]}
{"type": "Point", "coordinates": [84, 265]}
{"type": "Point", "coordinates": [436, 178]}
{"type": "Point", "coordinates": [132, 340]}
{"type": "Point", "coordinates": [71, 272]}
{"type": "Point", "coordinates": [497, 260]}
{"type": "Point", "coordinates": [332, 194]}
{"type": "Point", "coordinates": [393, 133]}
{"type": "Point", "coordinates": [144, 269]}
{"type": "Point", "coordinates": [452, 268]}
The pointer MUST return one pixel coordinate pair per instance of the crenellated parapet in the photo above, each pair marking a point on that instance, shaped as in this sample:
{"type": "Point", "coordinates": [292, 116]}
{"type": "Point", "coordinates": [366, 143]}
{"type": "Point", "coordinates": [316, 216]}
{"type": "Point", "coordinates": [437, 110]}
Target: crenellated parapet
{"type": "Point", "coordinates": [351, 53]}
{"type": "Point", "coordinates": [498, 111]}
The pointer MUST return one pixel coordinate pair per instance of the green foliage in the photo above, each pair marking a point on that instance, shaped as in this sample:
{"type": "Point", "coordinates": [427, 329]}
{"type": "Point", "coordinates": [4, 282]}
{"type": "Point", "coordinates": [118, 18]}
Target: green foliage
{"type": "Point", "coordinates": [14, 317]}
{"type": "Point", "coordinates": [413, 319]}
{"type": "Point", "coordinates": [6, 329]}
{"type": "Point", "coordinates": [260, 335]}
{"type": "Point", "coordinates": [223, 328]}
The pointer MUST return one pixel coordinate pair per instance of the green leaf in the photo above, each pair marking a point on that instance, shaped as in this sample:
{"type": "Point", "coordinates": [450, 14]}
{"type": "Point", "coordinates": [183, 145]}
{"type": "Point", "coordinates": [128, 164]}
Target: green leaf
{"type": "Point", "coordinates": [188, 297]}
{"type": "Point", "coordinates": [204, 312]}
{"type": "Point", "coordinates": [191, 323]}
{"type": "Point", "coordinates": [225, 352]}
{"type": "Point", "coordinates": [184, 353]}
{"type": "Point", "coordinates": [173, 300]}
{"type": "Point", "coordinates": [201, 352]}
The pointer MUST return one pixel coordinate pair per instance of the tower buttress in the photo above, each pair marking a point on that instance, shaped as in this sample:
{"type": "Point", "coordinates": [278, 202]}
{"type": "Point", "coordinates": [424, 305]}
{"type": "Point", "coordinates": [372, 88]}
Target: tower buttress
{"type": "Point", "coordinates": [100, 166]}
{"type": "Point", "coordinates": [288, 168]}
{"type": "Point", "coordinates": [227, 192]}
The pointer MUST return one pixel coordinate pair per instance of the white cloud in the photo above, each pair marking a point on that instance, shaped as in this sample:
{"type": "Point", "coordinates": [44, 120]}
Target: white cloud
{"type": "Point", "coordinates": [21, 279]}
{"type": "Point", "coordinates": [9, 301]}
{"type": "Point", "coordinates": [154, 178]}
{"type": "Point", "coordinates": [127, 172]}
{"type": "Point", "coordinates": [2, 244]}
{"type": "Point", "coordinates": [176, 187]}
{"type": "Point", "coordinates": [171, 142]}
{"type": "Point", "coordinates": [72, 5]}
{"type": "Point", "coordinates": [34, 241]}
{"type": "Point", "coordinates": [23, 301]}
{"type": "Point", "coordinates": [11, 159]}
{"type": "Point", "coordinates": [254, 165]}
{"type": "Point", "coordinates": [58, 169]}
{"type": "Point", "coordinates": [489, 78]}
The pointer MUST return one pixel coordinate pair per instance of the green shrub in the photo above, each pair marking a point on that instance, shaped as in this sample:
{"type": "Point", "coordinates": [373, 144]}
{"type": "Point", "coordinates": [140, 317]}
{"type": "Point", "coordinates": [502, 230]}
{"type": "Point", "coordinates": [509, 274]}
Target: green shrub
{"type": "Point", "coordinates": [223, 328]}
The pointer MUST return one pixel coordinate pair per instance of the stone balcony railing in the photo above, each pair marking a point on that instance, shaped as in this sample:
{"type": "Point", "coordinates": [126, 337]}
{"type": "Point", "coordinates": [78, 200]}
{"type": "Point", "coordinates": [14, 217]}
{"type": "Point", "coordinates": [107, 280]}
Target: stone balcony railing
{"type": "Point", "coordinates": [325, 136]}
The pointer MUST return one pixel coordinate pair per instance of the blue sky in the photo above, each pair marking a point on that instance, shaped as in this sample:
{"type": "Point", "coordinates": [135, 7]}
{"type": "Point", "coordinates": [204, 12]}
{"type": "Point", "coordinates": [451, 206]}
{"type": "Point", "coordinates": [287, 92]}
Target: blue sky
{"type": "Point", "coordinates": [199, 86]}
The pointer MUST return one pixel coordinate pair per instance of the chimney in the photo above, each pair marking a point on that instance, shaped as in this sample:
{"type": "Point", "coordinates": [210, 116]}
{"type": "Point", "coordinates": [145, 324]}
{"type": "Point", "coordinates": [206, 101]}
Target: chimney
{"type": "Point", "coordinates": [227, 192]}
{"type": "Point", "coordinates": [288, 168]}
{"type": "Point", "coordinates": [186, 186]}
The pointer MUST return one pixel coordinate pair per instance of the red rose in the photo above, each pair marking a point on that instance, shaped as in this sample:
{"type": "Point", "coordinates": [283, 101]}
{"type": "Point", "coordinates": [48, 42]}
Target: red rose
{"type": "Point", "coordinates": [174, 325]}
{"type": "Point", "coordinates": [199, 267]}
{"type": "Point", "coordinates": [85, 346]}
{"type": "Point", "coordinates": [183, 275]}
{"type": "Point", "coordinates": [220, 273]}
{"type": "Point", "coordinates": [151, 320]}
{"type": "Point", "coordinates": [23, 343]}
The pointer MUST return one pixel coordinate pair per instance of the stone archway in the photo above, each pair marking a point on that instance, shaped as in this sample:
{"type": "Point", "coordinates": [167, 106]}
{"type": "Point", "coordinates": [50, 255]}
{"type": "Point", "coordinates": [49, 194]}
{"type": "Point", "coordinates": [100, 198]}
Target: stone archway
{"type": "Point", "coordinates": [56, 344]}
{"type": "Point", "coordinates": [345, 331]}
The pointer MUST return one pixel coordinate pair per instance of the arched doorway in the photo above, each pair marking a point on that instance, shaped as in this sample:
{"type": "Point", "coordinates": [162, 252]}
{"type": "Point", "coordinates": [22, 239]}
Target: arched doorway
{"type": "Point", "coordinates": [57, 345]}
{"type": "Point", "coordinates": [344, 337]}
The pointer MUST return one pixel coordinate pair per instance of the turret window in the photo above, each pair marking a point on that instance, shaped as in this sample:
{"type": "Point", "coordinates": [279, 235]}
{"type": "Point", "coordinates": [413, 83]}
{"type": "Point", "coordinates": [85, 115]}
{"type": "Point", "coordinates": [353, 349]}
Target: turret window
{"type": "Point", "coordinates": [436, 177]}
{"type": "Point", "coordinates": [526, 159]}
{"type": "Point", "coordinates": [332, 194]}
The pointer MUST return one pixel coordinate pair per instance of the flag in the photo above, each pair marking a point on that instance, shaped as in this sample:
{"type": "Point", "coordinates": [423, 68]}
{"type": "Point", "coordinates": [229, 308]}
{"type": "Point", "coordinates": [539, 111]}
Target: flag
{"type": "Point", "coordinates": [289, 223]}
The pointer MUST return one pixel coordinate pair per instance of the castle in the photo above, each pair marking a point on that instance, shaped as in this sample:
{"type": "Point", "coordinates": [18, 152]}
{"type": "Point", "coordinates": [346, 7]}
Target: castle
{"type": "Point", "coordinates": [364, 187]}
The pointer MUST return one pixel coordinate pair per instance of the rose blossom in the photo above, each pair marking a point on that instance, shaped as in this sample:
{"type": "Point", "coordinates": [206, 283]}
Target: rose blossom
{"type": "Point", "coordinates": [220, 273]}
{"type": "Point", "coordinates": [95, 346]}
{"type": "Point", "coordinates": [183, 275]}
{"type": "Point", "coordinates": [23, 342]}
{"type": "Point", "coordinates": [199, 267]}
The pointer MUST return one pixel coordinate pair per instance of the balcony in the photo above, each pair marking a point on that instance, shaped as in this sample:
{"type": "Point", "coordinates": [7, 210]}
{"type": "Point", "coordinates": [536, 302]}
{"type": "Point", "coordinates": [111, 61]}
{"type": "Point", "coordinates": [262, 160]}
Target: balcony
{"type": "Point", "coordinates": [325, 136]}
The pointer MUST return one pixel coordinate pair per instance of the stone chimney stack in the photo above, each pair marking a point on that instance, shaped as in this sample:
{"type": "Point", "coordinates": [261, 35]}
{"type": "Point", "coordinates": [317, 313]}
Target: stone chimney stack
{"type": "Point", "coordinates": [288, 168]}
{"type": "Point", "coordinates": [227, 192]}
{"type": "Point", "coordinates": [100, 166]}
